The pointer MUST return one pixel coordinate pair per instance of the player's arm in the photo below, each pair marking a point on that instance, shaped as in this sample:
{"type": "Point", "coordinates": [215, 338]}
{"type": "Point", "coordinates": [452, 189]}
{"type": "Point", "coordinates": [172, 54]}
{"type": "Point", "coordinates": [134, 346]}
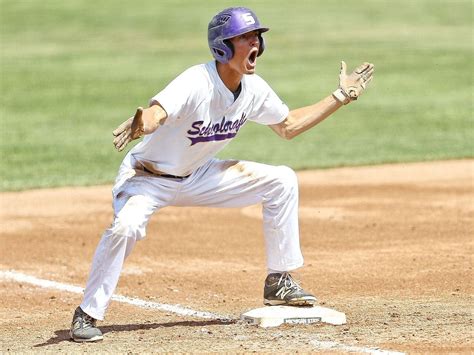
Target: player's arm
{"type": "Point", "coordinates": [304, 118]}
{"type": "Point", "coordinates": [145, 121]}
{"type": "Point", "coordinates": [350, 88]}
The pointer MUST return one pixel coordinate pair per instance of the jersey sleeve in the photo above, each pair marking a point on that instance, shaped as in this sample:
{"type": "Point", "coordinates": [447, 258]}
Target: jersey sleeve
{"type": "Point", "coordinates": [180, 95]}
{"type": "Point", "coordinates": [268, 108]}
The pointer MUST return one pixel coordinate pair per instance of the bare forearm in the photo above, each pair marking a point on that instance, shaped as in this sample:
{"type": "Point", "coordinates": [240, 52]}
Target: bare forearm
{"type": "Point", "coordinates": [350, 88]}
{"type": "Point", "coordinates": [304, 118]}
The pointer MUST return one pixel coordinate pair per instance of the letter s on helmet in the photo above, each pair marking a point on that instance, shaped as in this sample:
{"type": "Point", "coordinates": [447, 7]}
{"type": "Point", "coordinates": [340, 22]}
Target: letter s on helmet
{"type": "Point", "coordinates": [229, 23]}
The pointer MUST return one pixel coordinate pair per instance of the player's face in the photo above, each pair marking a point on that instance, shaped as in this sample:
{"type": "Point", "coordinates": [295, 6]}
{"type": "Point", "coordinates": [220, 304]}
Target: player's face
{"type": "Point", "coordinates": [246, 48]}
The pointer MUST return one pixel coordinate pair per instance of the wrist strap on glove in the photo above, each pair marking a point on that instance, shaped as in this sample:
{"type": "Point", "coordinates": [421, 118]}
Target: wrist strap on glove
{"type": "Point", "coordinates": [341, 96]}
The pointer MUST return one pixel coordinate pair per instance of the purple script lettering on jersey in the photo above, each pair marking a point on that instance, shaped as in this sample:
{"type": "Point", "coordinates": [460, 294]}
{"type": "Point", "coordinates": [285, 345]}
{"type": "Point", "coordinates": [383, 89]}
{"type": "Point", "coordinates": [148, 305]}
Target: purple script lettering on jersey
{"type": "Point", "coordinates": [225, 129]}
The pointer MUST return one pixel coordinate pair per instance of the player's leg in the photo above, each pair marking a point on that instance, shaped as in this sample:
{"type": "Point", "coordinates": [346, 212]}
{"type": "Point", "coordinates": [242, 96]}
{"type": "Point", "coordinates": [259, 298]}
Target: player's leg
{"type": "Point", "coordinates": [134, 204]}
{"type": "Point", "coordinates": [242, 183]}
{"type": "Point", "coordinates": [115, 245]}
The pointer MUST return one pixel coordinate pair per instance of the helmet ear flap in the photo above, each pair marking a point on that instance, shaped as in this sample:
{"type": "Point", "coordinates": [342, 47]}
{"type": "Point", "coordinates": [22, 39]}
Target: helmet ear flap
{"type": "Point", "coordinates": [262, 44]}
{"type": "Point", "coordinates": [223, 51]}
{"type": "Point", "coordinates": [229, 45]}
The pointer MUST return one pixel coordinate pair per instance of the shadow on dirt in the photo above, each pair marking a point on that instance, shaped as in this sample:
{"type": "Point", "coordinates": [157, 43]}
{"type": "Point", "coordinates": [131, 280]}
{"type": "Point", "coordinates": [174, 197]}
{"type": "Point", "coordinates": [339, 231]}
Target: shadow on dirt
{"type": "Point", "coordinates": [63, 334]}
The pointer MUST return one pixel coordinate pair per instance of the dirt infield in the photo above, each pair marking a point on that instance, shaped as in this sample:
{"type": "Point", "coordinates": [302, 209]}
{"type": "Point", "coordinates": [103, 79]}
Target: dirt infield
{"type": "Point", "coordinates": [391, 246]}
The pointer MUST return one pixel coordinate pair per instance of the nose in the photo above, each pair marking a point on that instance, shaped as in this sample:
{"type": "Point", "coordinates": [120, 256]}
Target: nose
{"type": "Point", "coordinates": [254, 40]}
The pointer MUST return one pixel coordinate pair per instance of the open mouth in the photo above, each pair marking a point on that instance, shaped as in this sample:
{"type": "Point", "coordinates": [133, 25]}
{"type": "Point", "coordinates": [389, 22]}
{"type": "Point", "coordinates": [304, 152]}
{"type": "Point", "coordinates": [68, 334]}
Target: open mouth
{"type": "Point", "coordinates": [252, 57]}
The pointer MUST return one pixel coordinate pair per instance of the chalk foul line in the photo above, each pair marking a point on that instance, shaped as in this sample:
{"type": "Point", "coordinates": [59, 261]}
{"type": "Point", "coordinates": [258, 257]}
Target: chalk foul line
{"type": "Point", "coordinates": [11, 275]}
{"type": "Point", "coordinates": [176, 309]}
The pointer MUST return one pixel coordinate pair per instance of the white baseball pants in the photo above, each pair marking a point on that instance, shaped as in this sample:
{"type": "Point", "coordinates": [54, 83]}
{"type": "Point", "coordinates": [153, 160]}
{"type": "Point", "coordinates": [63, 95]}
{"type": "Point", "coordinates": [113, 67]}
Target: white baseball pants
{"type": "Point", "coordinates": [219, 183]}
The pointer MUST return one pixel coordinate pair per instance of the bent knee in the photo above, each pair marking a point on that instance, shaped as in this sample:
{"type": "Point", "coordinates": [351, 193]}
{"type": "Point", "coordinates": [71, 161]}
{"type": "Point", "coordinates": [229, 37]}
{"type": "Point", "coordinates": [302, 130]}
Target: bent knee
{"type": "Point", "coordinates": [126, 227]}
{"type": "Point", "coordinates": [284, 184]}
{"type": "Point", "coordinates": [287, 174]}
{"type": "Point", "coordinates": [287, 178]}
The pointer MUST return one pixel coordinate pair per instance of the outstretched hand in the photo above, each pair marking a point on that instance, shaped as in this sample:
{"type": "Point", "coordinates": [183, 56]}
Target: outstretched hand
{"type": "Point", "coordinates": [354, 84]}
{"type": "Point", "coordinates": [131, 129]}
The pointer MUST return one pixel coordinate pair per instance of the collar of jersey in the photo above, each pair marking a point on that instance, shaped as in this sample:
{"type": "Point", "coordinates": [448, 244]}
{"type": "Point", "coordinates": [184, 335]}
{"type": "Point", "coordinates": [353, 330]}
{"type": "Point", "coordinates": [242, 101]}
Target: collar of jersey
{"type": "Point", "coordinates": [221, 86]}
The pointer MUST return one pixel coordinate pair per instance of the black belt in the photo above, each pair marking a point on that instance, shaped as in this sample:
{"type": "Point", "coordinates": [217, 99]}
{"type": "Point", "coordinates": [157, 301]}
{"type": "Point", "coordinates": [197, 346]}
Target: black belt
{"type": "Point", "coordinates": [168, 176]}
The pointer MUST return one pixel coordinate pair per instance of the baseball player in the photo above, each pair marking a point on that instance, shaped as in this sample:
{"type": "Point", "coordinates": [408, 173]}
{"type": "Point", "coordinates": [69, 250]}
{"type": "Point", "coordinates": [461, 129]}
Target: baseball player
{"type": "Point", "coordinates": [185, 125]}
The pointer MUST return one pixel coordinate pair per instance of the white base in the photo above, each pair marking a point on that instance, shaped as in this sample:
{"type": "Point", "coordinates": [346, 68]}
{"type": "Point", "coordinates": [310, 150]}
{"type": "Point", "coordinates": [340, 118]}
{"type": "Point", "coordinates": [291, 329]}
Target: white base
{"type": "Point", "coordinates": [273, 316]}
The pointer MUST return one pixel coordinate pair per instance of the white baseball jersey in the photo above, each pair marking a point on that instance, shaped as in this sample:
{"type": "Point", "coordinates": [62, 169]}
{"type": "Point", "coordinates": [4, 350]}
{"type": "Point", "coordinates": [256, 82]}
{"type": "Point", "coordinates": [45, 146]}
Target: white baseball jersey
{"type": "Point", "coordinates": [203, 118]}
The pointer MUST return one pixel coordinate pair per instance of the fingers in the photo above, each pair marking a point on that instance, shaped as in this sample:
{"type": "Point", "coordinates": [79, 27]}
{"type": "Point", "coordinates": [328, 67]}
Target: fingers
{"type": "Point", "coordinates": [369, 73]}
{"type": "Point", "coordinates": [343, 68]}
{"type": "Point", "coordinates": [365, 80]}
{"type": "Point", "coordinates": [138, 114]}
{"type": "Point", "coordinates": [355, 83]}
{"type": "Point", "coordinates": [123, 144]}
{"type": "Point", "coordinates": [121, 141]}
{"type": "Point", "coordinates": [120, 138]}
{"type": "Point", "coordinates": [137, 128]}
{"type": "Point", "coordinates": [123, 126]}
{"type": "Point", "coordinates": [368, 81]}
{"type": "Point", "coordinates": [367, 77]}
{"type": "Point", "coordinates": [362, 68]}
{"type": "Point", "coordinates": [119, 129]}
{"type": "Point", "coordinates": [123, 133]}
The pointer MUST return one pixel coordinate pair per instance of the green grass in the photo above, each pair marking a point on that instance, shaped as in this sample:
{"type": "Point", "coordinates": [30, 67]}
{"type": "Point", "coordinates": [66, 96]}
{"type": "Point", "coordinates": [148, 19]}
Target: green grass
{"type": "Point", "coordinates": [71, 71]}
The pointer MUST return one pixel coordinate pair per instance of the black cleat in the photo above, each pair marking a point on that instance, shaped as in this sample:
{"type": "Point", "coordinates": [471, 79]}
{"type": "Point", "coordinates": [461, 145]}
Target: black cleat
{"type": "Point", "coordinates": [282, 289]}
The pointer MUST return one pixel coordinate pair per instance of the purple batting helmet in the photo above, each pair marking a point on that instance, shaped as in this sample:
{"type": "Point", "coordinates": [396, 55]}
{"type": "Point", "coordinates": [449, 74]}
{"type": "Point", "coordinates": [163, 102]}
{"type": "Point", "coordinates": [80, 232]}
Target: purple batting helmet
{"type": "Point", "coordinates": [229, 23]}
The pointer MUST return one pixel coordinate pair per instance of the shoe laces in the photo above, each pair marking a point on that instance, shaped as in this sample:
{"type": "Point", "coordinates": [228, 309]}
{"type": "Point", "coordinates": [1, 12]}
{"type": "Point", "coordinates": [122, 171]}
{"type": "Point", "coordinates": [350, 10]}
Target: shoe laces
{"type": "Point", "coordinates": [86, 321]}
{"type": "Point", "coordinates": [289, 284]}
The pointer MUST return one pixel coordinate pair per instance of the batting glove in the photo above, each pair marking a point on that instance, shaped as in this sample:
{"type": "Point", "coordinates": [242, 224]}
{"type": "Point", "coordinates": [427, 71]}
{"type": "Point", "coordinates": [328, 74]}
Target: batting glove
{"type": "Point", "coordinates": [351, 86]}
{"type": "Point", "coordinates": [129, 130]}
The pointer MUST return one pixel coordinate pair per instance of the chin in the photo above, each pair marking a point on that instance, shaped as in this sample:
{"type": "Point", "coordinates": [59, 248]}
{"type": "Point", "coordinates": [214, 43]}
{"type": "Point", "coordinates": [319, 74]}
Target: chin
{"type": "Point", "coordinates": [249, 71]}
